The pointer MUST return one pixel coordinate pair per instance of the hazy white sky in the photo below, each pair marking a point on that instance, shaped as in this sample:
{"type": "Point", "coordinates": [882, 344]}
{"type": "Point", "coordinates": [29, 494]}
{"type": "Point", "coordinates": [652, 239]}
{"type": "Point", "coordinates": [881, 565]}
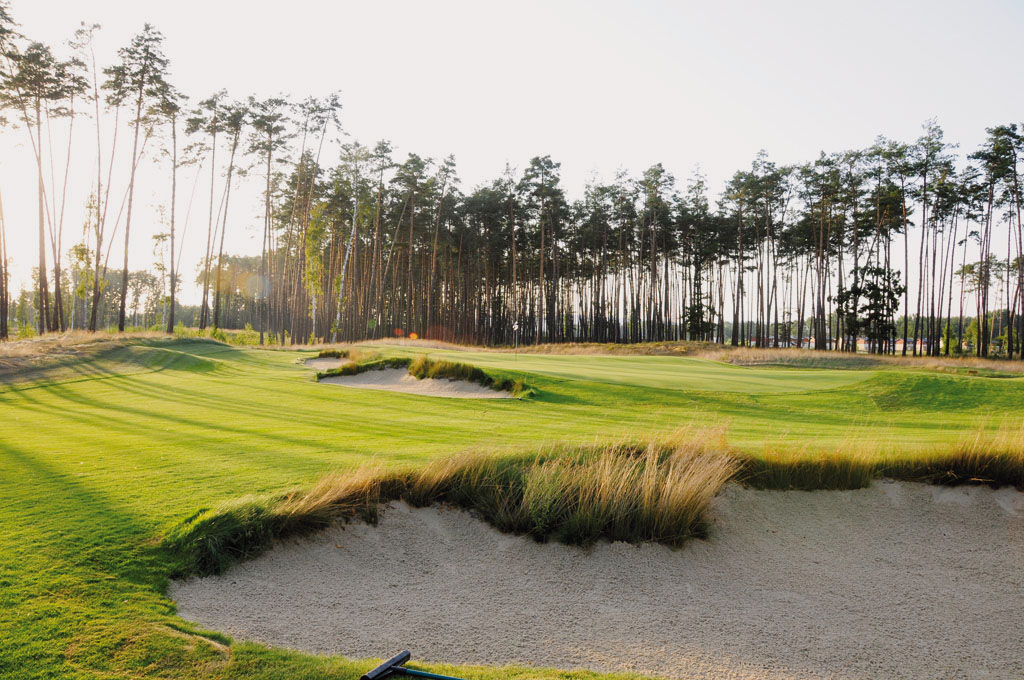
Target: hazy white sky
{"type": "Point", "coordinates": [598, 85]}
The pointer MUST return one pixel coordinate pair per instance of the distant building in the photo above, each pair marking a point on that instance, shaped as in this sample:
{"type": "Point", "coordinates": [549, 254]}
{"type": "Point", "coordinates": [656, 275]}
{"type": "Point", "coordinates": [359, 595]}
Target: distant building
{"type": "Point", "coordinates": [922, 345]}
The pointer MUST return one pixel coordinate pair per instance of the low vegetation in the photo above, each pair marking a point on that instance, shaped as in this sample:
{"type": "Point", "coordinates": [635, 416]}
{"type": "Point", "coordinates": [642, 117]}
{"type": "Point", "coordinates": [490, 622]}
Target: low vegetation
{"type": "Point", "coordinates": [333, 354]}
{"type": "Point", "coordinates": [659, 490]}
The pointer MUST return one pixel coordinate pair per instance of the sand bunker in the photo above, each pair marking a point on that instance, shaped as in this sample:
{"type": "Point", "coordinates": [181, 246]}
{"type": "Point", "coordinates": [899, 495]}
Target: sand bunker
{"type": "Point", "coordinates": [894, 581]}
{"type": "Point", "coordinates": [399, 380]}
{"type": "Point", "coordinates": [325, 363]}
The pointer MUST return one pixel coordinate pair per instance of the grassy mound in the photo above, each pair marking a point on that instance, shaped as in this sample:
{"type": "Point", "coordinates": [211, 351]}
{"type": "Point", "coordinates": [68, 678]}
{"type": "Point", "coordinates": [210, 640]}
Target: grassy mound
{"type": "Point", "coordinates": [77, 356]}
{"type": "Point", "coordinates": [421, 367]}
{"type": "Point", "coordinates": [659, 490]}
{"type": "Point", "coordinates": [655, 491]}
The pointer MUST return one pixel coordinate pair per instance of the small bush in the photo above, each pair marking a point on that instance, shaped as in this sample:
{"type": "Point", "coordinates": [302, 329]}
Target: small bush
{"type": "Point", "coordinates": [246, 337]}
{"type": "Point", "coordinates": [332, 354]}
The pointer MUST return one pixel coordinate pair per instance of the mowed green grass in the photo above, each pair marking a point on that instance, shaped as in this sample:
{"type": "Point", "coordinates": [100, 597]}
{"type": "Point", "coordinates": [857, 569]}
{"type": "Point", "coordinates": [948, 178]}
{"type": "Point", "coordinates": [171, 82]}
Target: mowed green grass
{"type": "Point", "coordinates": [98, 464]}
{"type": "Point", "coordinates": [660, 372]}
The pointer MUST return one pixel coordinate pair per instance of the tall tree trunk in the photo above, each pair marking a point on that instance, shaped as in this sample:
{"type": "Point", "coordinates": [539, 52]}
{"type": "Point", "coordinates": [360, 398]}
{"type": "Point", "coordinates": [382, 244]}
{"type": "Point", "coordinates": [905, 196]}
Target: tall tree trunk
{"type": "Point", "coordinates": [204, 305]}
{"type": "Point", "coordinates": [223, 230]}
{"type": "Point", "coordinates": [4, 277]}
{"type": "Point", "coordinates": [348, 253]}
{"type": "Point", "coordinates": [174, 194]}
{"type": "Point", "coordinates": [262, 292]}
{"type": "Point", "coordinates": [128, 217]}
{"type": "Point", "coordinates": [44, 301]}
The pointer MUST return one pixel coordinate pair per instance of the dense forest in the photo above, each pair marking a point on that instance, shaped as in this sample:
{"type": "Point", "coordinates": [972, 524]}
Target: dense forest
{"type": "Point", "coordinates": [904, 247]}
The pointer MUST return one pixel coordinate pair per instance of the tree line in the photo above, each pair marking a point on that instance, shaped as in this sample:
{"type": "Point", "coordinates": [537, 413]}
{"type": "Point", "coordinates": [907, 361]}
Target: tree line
{"type": "Point", "coordinates": [901, 247]}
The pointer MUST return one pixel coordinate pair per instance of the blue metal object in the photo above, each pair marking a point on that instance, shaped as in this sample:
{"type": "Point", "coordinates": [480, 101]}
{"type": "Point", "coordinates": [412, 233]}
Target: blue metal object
{"type": "Point", "coordinates": [424, 674]}
{"type": "Point", "coordinates": [394, 666]}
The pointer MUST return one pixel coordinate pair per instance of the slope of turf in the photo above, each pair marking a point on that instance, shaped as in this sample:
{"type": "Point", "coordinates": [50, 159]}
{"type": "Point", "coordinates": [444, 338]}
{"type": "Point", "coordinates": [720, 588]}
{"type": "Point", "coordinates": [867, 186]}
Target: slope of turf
{"type": "Point", "coordinates": [661, 372]}
{"type": "Point", "coordinates": [98, 462]}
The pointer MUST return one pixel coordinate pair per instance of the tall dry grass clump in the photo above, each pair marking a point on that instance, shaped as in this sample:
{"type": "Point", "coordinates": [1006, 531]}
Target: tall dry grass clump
{"type": "Point", "coordinates": [992, 456]}
{"type": "Point", "coordinates": [658, 490]}
{"type": "Point", "coordinates": [985, 456]}
{"type": "Point", "coordinates": [850, 465]}
{"type": "Point", "coordinates": [357, 492]}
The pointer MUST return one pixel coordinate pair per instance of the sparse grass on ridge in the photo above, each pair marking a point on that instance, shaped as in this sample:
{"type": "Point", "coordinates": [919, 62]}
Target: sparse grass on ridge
{"type": "Point", "coordinates": [986, 456]}
{"type": "Point", "coordinates": [333, 354]}
{"type": "Point", "coordinates": [70, 343]}
{"type": "Point", "coordinates": [78, 356]}
{"type": "Point", "coordinates": [805, 358]}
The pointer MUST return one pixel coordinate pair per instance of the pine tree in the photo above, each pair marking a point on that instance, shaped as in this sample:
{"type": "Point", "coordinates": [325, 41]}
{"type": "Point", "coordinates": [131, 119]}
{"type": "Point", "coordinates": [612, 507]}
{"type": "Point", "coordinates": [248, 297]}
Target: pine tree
{"type": "Point", "coordinates": [137, 81]}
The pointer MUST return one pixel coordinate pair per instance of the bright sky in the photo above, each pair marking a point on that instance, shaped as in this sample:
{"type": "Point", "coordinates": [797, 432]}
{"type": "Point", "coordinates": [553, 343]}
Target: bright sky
{"type": "Point", "coordinates": [598, 85]}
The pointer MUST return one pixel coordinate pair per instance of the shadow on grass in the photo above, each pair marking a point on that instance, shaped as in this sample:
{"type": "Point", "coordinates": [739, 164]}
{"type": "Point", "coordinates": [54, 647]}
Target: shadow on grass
{"type": "Point", "coordinates": [86, 528]}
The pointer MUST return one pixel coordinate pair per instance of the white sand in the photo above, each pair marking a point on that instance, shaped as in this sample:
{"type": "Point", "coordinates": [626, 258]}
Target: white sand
{"type": "Point", "coordinates": [894, 581]}
{"type": "Point", "coordinates": [325, 363]}
{"type": "Point", "coordinates": [399, 380]}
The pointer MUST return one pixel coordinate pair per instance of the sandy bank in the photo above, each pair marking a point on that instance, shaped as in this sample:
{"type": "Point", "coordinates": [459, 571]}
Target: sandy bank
{"type": "Point", "coordinates": [399, 380]}
{"type": "Point", "coordinates": [325, 363]}
{"type": "Point", "coordinates": [893, 581]}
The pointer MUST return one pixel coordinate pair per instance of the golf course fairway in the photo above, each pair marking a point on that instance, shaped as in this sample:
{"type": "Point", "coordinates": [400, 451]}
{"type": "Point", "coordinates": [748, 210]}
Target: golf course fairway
{"type": "Point", "coordinates": [99, 461]}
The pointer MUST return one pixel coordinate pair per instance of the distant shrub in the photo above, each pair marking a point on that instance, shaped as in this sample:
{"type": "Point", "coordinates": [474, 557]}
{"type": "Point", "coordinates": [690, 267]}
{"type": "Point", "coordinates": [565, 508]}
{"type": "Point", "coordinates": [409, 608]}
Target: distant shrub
{"type": "Point", "coordinates": [246, 337]}
{"type": "Point", "coordinates": [183, 331]}
{"type": "Point", "coordinates": [24, 332]}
